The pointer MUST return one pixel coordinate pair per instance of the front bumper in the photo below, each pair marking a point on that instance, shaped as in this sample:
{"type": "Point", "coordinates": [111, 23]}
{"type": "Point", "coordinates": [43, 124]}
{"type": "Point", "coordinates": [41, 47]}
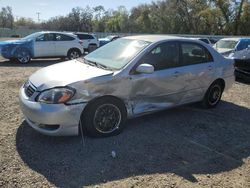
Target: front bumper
{"type": "Point", "coordinates": [51, 119]}
{"type": "Point", "coordinates": [242, 74]}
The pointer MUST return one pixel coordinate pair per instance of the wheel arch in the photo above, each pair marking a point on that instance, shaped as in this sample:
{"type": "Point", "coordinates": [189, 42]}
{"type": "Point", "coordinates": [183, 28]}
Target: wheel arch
{"type": "Point", "coordinates": [74, 48]}
{"type": "Point", "coordinates": [103, 98]}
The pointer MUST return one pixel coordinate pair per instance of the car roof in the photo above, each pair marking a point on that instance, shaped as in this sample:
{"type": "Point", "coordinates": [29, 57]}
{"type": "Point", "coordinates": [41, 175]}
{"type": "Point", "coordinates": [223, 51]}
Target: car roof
{"type": "Point", "coordinates": [152, 38]}
{"type": "Point", "coordinates": [232, 39]}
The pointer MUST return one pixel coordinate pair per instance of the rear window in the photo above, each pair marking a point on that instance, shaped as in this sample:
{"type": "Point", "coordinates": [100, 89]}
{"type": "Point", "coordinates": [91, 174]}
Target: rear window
{"type": "Point", "coordinates": [61, 37]}
{"type": "Point", "coordinates": [194, 54]}
{"type": "Point", "coordinates": [84, 36]}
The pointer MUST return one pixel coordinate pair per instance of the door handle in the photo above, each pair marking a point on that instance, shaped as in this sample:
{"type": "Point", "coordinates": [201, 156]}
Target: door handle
{"type": "Point", "coordinates": [210, 67]}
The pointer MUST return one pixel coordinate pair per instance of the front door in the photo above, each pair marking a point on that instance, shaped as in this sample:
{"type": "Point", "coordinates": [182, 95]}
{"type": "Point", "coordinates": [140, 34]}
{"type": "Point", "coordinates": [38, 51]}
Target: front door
{"type": "Point", "coordinates": [44, 45]}
{"type": "Point", "coordinates": [164, 87]}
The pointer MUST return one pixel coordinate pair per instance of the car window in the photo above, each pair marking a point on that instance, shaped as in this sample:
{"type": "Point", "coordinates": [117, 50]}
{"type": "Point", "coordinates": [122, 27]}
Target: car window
{"type": "Point", "coordinates": [84, 36]}
{"type": "Point", "coordinates": [45, 37]}
{"type": "Point", "coordinates": [165, 55]}
{"type": "Point", "coordinates": [192, 53]}
{"type": "Point", "coordinates": [61, 37]}
{"type": "Point", "coordinates": [243, 44]}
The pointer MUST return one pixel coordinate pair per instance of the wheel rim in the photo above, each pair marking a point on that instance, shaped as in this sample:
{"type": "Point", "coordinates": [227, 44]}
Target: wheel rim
{"type": "Point", "coordinates": [23, 57]}
{"type": "Point", "coordinates": [74, 55]}
{"type": "Point", "coordinates": [107, 118]}
{"type": "Point", "coordinates": [214, 95]}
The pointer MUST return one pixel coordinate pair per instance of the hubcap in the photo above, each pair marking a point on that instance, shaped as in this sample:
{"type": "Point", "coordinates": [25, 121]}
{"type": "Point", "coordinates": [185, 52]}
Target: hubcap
{"type": "Point", "coordinates": [74, 55]}
{"type": "Point", "coordinates": [214, 95]}
{"type": "Point", "coordinates": [107, 118]}
{"type": "Point", "coordinates": [23, 57]}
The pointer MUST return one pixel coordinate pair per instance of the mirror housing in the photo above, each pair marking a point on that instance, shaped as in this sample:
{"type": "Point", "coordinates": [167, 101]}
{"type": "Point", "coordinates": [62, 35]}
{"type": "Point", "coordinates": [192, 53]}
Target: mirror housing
{"type": "Point", "coordinates": [145, 68]}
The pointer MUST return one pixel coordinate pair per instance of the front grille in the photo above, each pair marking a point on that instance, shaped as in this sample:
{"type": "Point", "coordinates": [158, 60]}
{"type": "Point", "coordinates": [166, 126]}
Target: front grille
{"type": "Point", "coordinates": [29, 89]}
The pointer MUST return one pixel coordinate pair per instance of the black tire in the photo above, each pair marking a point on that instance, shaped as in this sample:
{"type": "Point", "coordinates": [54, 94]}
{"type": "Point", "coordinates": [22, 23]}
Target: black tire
{"type": "Point", "coordinates": [74, 54]}
{"type": "Point", "coordinates": [104, 117]}
{"type": "Point", "coordinates": [92, 47]}
{"type": "Point", "coordinates": [23, 56]}
{"type": "Point", "coordinates": [213, 95]}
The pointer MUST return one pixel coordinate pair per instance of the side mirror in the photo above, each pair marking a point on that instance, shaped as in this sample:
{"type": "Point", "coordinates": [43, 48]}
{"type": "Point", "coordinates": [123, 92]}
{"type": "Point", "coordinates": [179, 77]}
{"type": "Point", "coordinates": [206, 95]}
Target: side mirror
{"type": "Point", "coordinates": [145, 69]}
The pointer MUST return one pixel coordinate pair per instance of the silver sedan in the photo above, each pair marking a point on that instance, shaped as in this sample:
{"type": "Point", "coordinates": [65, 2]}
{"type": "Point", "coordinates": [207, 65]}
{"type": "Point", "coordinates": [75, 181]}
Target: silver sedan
{"type": "Point", "coordinates": [129, 77]}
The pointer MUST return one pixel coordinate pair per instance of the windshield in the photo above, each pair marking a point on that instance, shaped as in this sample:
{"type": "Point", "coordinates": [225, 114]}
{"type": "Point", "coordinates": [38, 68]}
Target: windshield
{"type": "Point", "coordinates": [229, 44]}
{"type": "Point", "coordinates": [117, 54]}
{"type": "Point", "coordinates": [30, 36]}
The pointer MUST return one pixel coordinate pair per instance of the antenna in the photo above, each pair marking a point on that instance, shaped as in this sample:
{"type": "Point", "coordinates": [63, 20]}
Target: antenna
{"type": "Point", "coordinates": [38, 16]}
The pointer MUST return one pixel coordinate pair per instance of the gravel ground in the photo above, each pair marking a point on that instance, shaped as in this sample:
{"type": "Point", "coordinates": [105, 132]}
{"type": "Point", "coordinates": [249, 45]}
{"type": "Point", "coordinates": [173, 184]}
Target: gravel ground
{"type": "Point", "coordinates": [182, 147]}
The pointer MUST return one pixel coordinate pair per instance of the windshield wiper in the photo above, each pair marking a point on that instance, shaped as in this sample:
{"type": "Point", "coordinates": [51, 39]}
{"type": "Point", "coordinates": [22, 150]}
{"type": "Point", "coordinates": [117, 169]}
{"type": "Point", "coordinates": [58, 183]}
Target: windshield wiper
{"type": "Point", "coordinates": [95, 64]}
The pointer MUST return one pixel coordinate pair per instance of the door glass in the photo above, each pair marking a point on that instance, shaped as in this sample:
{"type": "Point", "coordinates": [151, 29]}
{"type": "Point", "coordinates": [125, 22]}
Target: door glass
{"type": "Point", "coordinates": [61, 37]}
{"type": "Point", "coordinates": [45, 37]}
{"type": "Point", "coordinates": [165, 55]}
{"type": "Point", "coordinates": [194, 54]}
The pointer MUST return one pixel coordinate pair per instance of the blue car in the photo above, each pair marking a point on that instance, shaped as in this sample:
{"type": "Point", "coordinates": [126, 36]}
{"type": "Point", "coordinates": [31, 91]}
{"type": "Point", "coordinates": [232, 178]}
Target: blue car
{"type": "Point", "coordinates": [226, 46]}
{"type": "Point", "coordinates": [108, 39]}
{"type": "Point", "coordinates": [42, 45]}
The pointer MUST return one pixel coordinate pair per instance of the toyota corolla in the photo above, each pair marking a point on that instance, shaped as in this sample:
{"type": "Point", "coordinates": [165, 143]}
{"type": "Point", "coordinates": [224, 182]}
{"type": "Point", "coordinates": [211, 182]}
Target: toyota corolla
{"type": "Point", "coordinates": [129, 77]}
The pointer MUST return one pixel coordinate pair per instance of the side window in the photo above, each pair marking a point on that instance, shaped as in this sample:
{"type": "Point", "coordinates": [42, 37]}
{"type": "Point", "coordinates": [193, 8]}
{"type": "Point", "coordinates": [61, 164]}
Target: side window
{"type": "Point", "coordinates": [192, 53]}
{"type": "Point", "coordinates": [164, 56]}
{"type": "Point", "coordinates": [61, 37]}
{"type": "Point", "coordinates": [45, 37]}
{"type": "Point", "coordinates": [84, 36]}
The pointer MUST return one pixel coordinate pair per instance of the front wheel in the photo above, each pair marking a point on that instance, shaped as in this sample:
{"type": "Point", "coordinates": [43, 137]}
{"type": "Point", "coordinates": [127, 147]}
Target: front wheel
{"type": "Point", "coordinates": [213, 95]}
{"type": "Point", "coordinates": [104, 117]}
{"type": "Point", "coordinates": [23, 56]}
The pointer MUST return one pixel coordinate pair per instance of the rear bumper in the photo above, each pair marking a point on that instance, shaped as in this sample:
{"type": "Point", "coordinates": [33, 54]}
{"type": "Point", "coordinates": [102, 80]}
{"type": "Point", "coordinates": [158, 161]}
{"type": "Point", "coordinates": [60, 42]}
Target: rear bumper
{"type": "Point", "coordinates": [51, 119]}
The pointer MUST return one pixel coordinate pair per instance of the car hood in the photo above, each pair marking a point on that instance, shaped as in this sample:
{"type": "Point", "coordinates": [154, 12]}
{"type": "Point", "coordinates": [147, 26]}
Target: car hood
{"type": "Point", "coordinates": [13, 42]}
{"type": "Point", "coordinates": [65, 73]}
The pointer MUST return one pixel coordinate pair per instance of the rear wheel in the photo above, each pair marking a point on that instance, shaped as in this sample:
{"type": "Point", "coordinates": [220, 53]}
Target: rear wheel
{"type": "Point", "coordinates": [104, 117]}
{"type": "Point", "coordinates": [213, 95]}
{"type": "Point", "coordinates": [92, 47]}
{"type": "Point", "coordinates": [74, 54]}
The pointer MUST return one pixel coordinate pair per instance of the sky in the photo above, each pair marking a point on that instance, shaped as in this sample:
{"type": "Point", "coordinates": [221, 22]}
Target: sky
{"type": "Point", "coordinates": [51, 8]}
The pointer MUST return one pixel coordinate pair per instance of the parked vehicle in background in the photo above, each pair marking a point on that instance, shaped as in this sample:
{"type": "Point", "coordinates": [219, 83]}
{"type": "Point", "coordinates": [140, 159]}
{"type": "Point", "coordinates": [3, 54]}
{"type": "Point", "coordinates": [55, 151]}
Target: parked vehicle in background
{"type": "Point", "coordinates": [206, 40]}
{"type": "Point", "coordinates": [242, 63]}
{"type": "Point", "coordinates": [42, 45]}
{"type": "Point", "coordinates": [131, 76]}
{"type": "Point", "coordinates": [108, 39]}
{"type": "Point", "coordinates": [226, 46]}
{"type": "Point", "coordinates": [90, 41]}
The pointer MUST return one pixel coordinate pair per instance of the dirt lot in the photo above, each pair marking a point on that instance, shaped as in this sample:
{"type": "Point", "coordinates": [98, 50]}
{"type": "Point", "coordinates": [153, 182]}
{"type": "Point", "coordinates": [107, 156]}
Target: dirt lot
{"type": "Point", "coordinates": [182, 147]}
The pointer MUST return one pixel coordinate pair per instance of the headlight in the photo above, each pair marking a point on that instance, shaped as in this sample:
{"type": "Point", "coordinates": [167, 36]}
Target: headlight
{"type": "Point", "coordinates": [56, 95]}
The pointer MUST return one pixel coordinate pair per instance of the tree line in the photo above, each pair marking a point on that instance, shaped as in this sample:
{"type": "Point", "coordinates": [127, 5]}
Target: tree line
{"type": "Point", "coordinates": [220, 17]}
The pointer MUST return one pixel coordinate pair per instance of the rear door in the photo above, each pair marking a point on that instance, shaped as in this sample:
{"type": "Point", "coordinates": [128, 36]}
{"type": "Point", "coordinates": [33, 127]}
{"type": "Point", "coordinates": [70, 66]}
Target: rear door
{"type": "Point", "coordinates": [198, 67]}
{"type": "Point", "coordinates": [44, 45]}
{"type": "Point", "coordinates": [63, 43]}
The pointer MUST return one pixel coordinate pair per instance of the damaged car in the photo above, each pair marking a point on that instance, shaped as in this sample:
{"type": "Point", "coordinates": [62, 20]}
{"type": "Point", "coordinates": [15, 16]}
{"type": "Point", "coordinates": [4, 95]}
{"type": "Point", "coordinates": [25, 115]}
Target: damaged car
{"type": "Point", "coordinates": [129, 77]}
{"type": "Point", "coordinates": [242, 63]}
{"type": "Point", "coordinates": [42, 45]}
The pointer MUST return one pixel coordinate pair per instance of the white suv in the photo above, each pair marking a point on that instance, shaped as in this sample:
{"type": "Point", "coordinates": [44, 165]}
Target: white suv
{"type": "Point", "coordinates": [90, 41]}
{"type": "Point", "coordinates": [43, 44]}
